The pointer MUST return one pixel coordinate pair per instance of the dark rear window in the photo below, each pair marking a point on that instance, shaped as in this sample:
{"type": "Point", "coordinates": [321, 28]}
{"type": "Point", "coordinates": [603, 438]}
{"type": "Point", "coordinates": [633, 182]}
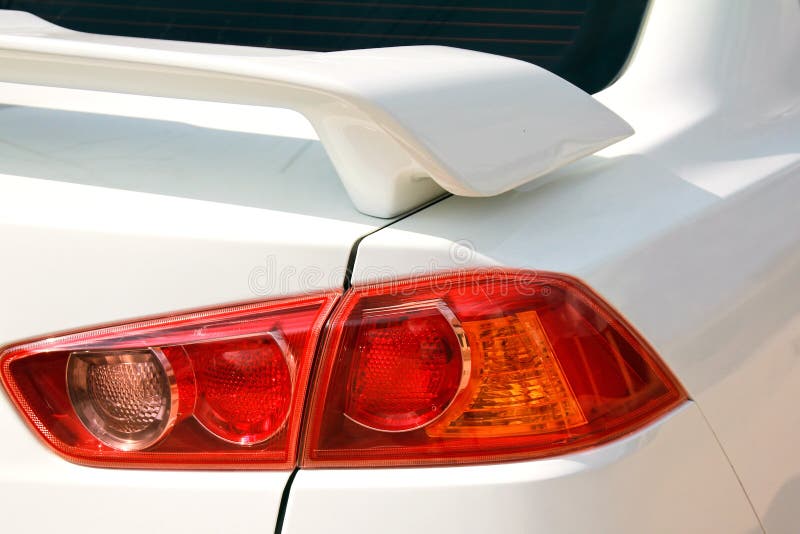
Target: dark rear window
{"type": "Point", "coordinates": [584, 41]}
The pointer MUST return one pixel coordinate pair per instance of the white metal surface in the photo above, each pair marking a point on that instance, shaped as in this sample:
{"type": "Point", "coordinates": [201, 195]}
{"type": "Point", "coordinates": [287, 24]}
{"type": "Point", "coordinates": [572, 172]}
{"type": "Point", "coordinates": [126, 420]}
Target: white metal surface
{"type": "Point", "coordinates": [74, 255]}
{"type": "Point", "coordinates": [691, 227]}
{"type": "Point", "coordinates": [668, 478]}
{"type": "Point", "coordinates": [713, 90]}
{"type": "Point", "coordinates": [395, 122]}
{"type": "Point", "coordinates": [77, 255]}
{"type": "Point", "coordinates": [40, 492]}
{"type": "Point", "coordinates": [119, 206]}
{"type": "Point", "coordinates": [712, 283]}
{"type": "Point", "coordinates": [730, 319]}
{"type": "Point", "coordinates": [251, 156]}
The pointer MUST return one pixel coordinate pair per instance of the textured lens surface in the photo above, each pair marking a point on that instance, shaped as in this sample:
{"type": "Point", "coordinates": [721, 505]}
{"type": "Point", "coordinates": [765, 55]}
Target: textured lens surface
{"type": "Point", "coordinates": [244, 388]}
{"type": "Point", "coordinates": [137, 395]}
{"type": "Point", "coordinates": [520, 389]}
{"type": "Point", "coordinates": [124, 398]}
{"type": "Point", "coordinates": [406, 370]}
{"type": "Point", "coordinates": [128, 396]}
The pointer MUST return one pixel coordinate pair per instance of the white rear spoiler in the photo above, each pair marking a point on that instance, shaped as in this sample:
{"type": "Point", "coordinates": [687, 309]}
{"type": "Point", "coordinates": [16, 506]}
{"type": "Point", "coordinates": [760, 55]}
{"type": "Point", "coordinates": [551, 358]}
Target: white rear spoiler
{"type": "Point", "coordinates": [399, 124]}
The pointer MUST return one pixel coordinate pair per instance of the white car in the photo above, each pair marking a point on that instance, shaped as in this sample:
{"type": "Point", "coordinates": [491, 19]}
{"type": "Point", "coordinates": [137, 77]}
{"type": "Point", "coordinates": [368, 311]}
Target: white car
{"type": "Point", "coordinates": [413, 289]}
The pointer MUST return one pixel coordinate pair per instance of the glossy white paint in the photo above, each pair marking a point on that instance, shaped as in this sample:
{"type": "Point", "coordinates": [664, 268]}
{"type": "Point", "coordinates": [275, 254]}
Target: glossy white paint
{"type": "Point", "coordinates": [118, 206]}
{"type": "Point", "coordinates": [395, 121]}
{"type": "Point", "coordinates": [711, 283]}
{"type": "Point", "coordinates": [77, 255]}
{"type": "Point", "coordinates": [668, 478]}
{"type": "Point", "coordinates": [88, 252]}
{"type": "Point", "coordinates": [691, 227]}
{"type": "Point", "coordinates": [264, 158]}
{"type": "Point", "coordinates": [719, 104]}
{"type": "Point", "coordinates": [40, 492]}
{"type": "Point", "coordinates": [730, 318]}
{"type": "Point", "coordinates": [211, 115]}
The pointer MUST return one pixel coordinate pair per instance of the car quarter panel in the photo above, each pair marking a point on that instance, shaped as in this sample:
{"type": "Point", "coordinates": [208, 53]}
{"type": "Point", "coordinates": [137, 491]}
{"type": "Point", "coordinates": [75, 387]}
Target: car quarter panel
{"type": "Point", "coordinates": [712, 283]}
{"type": "Point", "coordinates": [669, 477]}
{"type": "Point", "coordinates": [81, 254]}
{"type": "Point", "coordinates": [690, 228]}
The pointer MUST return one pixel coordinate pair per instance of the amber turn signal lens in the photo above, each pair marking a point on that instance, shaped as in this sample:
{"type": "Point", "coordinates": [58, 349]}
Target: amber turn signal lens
{"type": "Point", "coordinates": [546, 367]}
{"type": "Point", "coordinates": [518, 388]}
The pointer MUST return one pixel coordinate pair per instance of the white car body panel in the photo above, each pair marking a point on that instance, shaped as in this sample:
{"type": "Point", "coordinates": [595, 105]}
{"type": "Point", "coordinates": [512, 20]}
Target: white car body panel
{"type": "Point", "coordinates": [690, 228]}
{"type": "Point", "coordinates": [717, 297]}
{"type": "Point", "coordinates": [135, 234]}
{"type": "Point", "coordinates": [41, 492]}
{"type": "Point", "coordinates": [667, 487]}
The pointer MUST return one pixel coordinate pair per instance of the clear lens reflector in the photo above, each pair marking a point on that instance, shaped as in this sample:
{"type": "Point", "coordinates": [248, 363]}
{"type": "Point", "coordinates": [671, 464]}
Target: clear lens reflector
{"type": "Point", "coordinates": [216, 389]}
{"type": "Point", "coordinates": [127, 399]}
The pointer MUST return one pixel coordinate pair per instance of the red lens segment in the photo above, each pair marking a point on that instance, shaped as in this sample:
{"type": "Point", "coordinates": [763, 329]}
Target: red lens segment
{"type": "Point", "coordinates": [244, 387]}
{"type": "Point", "coordinates": [213, 389]}
{"type": "Point", "coordinates": [545, 368]}
{"type": "Point", "coordinates": [407, 367]}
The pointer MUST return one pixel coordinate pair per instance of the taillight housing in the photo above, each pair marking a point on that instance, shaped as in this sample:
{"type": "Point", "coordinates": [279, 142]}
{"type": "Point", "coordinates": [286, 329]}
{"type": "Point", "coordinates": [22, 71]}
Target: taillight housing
{"type": "Point", "coordinates": [464, 367]}
{"type": "Point", "coordinates": [478, 367]}
{"type": "Point", "coordinates": [213, 389]}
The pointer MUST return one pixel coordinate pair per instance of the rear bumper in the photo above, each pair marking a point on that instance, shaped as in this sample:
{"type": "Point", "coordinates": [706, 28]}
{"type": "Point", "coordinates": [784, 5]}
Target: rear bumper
{"type": "Point", "coordinates": [669, 477]}
{"type": "Point", "coordinates": [41, 492]}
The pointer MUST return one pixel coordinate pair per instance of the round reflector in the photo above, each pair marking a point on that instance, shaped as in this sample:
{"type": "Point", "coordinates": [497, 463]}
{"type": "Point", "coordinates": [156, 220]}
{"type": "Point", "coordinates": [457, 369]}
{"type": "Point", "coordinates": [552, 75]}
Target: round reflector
{"type": "Point", "coordinates": [126, 399]}
{"type": "Point", "coordinates": [408, 365]}
{"type": "Point", "coordinates": [244, 387]}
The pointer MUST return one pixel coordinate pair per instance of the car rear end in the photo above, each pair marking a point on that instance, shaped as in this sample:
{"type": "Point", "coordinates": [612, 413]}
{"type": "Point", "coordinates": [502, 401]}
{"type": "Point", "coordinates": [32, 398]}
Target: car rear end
{"type": "Point", "coordinates": [215, 319]}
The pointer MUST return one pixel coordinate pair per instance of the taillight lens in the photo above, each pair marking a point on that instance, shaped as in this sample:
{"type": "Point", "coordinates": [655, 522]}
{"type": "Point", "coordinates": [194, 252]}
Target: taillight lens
{"type": "Point", "coordinates": [214, 389]}
{"type": "Point", "coordinates": [464, 367]}
{"type": "Point", "coordinates": [476, 367]}
{"type": "Point", "coordinates": [127, 399]}
{"type": "Point", "coordinates": [408, 365]}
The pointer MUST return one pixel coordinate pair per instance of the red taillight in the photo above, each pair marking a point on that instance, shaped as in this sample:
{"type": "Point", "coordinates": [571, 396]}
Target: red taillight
{"type": "Point", "coordinates": [465, 367]}
{"type": "Point", "coordinates": [244, 387]}
{"type": "Point", "coordinates": [477, 367]}
{"type": "Point", "coordinates": [408, 364]}
{"type": "Point", "coordinates": [214, 389]}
